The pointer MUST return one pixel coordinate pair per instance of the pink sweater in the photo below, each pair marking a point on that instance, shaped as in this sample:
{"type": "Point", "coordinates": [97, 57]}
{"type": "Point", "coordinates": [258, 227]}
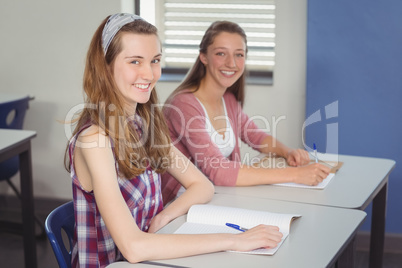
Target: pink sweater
{"type": "Point", "coordinates": [186, 121]}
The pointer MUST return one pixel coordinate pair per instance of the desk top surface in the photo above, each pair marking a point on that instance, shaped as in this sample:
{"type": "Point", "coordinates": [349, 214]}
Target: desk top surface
{"type": "Point", "coordinates": [359, 179]}
{"type": "Point", "coordinates": [316, 239]}
{"type": "Point", "coordinates": [13, 137]}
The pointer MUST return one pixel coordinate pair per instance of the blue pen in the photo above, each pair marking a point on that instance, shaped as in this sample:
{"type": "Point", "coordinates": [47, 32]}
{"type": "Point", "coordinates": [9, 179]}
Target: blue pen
{"type": "Point", "coordinates": [237, 227]}
{"type": "Point", "coordinates": [315, 153]}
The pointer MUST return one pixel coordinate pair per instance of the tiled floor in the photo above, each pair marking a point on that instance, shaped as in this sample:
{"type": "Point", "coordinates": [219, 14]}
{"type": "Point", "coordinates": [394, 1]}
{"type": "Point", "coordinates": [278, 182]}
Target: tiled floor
{"type": "Point", "coordinates": [11, 249]}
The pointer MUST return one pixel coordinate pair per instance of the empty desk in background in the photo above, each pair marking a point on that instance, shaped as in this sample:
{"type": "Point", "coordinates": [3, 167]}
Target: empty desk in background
{"type": "Point", "coordinates": [360, 181]}
{"type": "Point", "coordinates": [18, 142]}
{"type": "Point", "coordinates": [316, 239]}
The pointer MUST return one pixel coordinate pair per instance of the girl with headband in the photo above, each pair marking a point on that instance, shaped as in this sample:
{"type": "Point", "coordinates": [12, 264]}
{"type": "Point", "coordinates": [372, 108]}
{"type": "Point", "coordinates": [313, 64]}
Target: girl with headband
{"type": "Point", "coordinates": [118, 150]}
{"type": "Point", "coordinates": [206, 120]}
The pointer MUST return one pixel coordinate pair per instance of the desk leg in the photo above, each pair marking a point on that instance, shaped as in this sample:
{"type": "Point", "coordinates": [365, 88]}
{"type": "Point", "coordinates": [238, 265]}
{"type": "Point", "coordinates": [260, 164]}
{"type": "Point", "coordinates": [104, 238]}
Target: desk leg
{"type": "Point", "coordinates": [347, 259]}
{"type": "Point", "coordinates": [378, 228]}
{"type": "Point", "coordinates": [27, 207]}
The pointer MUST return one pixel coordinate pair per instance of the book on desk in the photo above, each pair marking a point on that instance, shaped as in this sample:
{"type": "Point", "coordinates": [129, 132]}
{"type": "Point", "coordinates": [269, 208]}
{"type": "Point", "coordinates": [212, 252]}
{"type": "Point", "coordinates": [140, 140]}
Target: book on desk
{"type": "Point", "coordinates": [207, 219]}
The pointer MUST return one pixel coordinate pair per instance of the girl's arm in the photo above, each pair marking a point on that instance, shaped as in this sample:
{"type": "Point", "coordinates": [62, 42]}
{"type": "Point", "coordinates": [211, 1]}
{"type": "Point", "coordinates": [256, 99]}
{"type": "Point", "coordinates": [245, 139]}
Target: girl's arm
{"type": "Point", "coordinates": [96, 170]}
{"type": "Point", "coordinates": [294, 157]}
{"type": "Point", "coordinates": [300, 172]}
{"type": "Point", "coordinates": [198, 189]}
{"type": "Point", "coordinates": [311, 174]}
{"type": "Point", "coordinates": [187, 121]}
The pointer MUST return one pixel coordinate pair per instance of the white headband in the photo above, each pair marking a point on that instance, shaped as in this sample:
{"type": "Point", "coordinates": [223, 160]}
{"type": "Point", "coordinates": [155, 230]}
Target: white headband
{"type": "Point", "coordinates": [113, 25]}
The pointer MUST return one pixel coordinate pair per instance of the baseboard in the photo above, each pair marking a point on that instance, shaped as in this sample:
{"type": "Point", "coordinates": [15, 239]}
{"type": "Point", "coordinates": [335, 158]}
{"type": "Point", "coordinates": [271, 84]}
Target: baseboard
{"type": "Point", "coordinates": [392, 242]}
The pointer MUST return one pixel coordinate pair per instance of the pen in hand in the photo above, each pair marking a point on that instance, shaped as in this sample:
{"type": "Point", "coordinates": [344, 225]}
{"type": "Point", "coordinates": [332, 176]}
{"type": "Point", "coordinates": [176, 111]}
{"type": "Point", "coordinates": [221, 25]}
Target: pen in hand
{"type": "Point", "coordinates": [237, 227]}
{"type": "Point", "coordinates": [315, 153]}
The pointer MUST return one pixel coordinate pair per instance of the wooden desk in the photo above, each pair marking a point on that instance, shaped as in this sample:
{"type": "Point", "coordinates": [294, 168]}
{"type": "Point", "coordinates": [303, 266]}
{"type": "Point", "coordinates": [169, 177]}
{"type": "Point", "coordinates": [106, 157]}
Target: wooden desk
{"type": "Point", "coordinates": [360, 181]}
{"type": "Point", "coordinates": [18, 142]}
{"type": "Point", "coordinates": [316, 239]}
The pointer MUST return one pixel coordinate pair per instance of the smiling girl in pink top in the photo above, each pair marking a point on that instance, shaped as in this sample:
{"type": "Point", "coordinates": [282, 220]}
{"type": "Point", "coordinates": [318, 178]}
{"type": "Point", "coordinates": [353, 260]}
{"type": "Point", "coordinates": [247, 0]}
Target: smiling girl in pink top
{"type": "Point", "coordinates": [206, 120]}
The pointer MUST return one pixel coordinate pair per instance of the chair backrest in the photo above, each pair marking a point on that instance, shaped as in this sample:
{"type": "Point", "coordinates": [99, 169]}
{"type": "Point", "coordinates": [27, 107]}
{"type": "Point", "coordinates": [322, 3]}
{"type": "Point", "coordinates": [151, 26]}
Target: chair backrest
{"type": "Point", "coordinates": [61, 218]}
{"type": "Point", "coordinates": [12, 113]}
{"type": "Point", "coordinates": [12, 116]}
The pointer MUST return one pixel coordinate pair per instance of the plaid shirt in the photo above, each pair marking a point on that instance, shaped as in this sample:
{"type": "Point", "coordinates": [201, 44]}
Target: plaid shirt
{"type": "Point", "coordinates": [93, 245]}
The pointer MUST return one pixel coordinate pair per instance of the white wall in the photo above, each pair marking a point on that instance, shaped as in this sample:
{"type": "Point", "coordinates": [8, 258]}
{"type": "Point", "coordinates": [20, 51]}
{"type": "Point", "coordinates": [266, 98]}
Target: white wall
{"type": "Point", "coordinates": [286, 98]}
{"type": "Point", "coordinates": [43, 48]}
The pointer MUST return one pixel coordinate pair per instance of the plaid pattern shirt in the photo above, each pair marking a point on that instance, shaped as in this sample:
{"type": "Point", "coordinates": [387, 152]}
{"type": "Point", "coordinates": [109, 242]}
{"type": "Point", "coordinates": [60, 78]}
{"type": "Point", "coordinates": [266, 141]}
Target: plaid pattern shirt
{"type": "Point", "coordinates": [93, 245]}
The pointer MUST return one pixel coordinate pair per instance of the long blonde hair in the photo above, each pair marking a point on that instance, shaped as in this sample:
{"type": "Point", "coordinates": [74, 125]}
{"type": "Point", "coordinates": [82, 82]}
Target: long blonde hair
{"type": "Point", "coordinates": [106, 109]}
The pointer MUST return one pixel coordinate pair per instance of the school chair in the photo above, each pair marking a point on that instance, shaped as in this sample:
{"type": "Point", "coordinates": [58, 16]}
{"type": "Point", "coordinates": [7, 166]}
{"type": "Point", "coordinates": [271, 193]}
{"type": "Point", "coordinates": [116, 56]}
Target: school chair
{"type": "Point", "coordinates": [61, 220]}
{"type": "Point", "coordinates": [12, 116]}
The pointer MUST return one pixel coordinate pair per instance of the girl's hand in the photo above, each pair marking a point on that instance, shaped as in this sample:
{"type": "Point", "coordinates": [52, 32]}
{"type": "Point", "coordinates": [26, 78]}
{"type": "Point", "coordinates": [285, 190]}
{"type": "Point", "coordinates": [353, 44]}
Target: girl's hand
{"type": "Point", "coordinates": [298, 157]}
{"type": "Point", "coordinates": [158, 222]}
{"type": "Point", "coordinates": [261, 236]}
{"type": "Point", "coordinates": [311, 174]}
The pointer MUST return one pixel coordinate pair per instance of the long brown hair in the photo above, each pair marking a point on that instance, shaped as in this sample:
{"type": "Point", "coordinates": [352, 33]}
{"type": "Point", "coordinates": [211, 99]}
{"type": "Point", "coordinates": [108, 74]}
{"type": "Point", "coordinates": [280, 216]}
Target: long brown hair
{"type": "Point", "coordinates": [105, 108]}
{"type": "Point", "coordinates": [194, 76]}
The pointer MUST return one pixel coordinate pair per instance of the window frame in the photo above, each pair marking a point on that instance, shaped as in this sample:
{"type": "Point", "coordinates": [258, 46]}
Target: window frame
{"type": "Point", "coordinates": [172, 74]}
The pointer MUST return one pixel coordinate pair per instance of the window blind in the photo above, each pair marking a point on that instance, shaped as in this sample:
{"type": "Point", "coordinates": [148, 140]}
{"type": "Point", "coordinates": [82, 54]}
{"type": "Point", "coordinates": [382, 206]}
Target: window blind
{"type": "Point", "coordinates": [182, 23]}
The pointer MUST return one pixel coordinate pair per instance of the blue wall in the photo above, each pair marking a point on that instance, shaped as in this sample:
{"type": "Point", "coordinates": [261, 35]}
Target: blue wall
{"type": "Point", "coordinates": [354, 56]}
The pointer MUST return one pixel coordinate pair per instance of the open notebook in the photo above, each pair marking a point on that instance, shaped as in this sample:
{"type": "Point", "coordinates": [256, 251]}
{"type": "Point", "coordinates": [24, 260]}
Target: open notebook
{"type": "Point", "coordinates": [206, 219]}
{"type": "Point", "coordinates": [280, 162]}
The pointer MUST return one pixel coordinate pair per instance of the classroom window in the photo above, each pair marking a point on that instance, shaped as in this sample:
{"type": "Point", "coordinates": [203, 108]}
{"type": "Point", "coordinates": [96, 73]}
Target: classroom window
{"type": "Point", "coordinates": [182, 23]}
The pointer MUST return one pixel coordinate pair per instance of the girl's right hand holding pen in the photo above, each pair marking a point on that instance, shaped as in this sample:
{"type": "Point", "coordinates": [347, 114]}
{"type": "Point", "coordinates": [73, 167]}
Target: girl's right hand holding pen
{"type": "Point", "coordinates": [311, 174]}
{"type": "Point", "coordinates": [261, 236]}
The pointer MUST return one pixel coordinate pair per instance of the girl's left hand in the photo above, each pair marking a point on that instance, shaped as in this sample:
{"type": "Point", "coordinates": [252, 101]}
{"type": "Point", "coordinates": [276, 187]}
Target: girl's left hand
{"type": "Point", "coordinates": [298, 157]}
